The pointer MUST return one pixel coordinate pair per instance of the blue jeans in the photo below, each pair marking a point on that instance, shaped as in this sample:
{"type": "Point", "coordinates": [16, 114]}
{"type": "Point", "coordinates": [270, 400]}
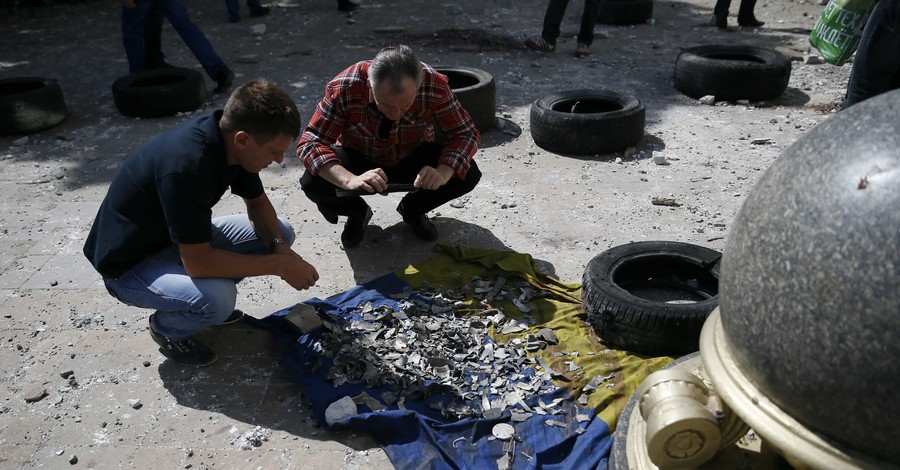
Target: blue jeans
{"type": "Point", "coordinates": [135, 22]}
{"type": "Point", "coordinates": [556, 9]}
{"type": "Point", "coordinates": [876, 67]}
{"type": "Point", "coordinates": [185, 305]}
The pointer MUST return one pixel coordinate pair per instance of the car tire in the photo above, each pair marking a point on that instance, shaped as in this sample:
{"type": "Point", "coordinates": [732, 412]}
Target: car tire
{"type": "Point", "coordinates": [476, 91]}
{"type": "Point", "coordinates": [624, 12]}
{"type": "Point", "coordinates": [159, 92]}
{"type": "Point", "coordinates": [651, 297]}
{"type": "Point", "coordinates": [29, 105]}
{"type": "Point", "coordinates": [732, 72]}
{"type": "Point", "coordinates": [587, 122]}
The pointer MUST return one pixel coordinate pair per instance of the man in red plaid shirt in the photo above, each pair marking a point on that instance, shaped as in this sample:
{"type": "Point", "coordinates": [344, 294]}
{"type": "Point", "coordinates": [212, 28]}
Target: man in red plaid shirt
{"type": "Point", "coordinates": [375, 126]}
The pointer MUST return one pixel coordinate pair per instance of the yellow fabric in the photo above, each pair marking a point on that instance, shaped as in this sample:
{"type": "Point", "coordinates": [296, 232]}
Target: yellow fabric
{"type": "Point", "coordinates": [561, 311]}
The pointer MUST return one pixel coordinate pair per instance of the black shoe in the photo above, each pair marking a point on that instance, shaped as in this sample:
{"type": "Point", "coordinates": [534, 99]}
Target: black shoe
{"type": "Point", "coordinates": [719, 21]}
{"type": "Point", "coordinates": [187, 352]}
{"type": "Point", "coordinates": [235, 316]}
{"type": "Point", "coordinates": [261, 11]}
{"type": "Point", "coordinates": [347, 6]}
{"type": "Point", "coordinates": [355, 229]}
{"type": "Point", "coordinates": [422, 227]}
{"type": "Point", "coordinates": [750, 22]}
{"type": "Point", "coordinates": [224, 79]}
{"type": "Point", "coordinates": [330, 216]}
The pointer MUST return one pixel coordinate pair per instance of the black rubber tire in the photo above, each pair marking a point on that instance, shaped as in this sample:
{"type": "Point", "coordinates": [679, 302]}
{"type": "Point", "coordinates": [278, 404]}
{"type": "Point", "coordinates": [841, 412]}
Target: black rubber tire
{"type": "Point", "coordinates": [29, 105]}
{"type": "Point", "coordinates": [732, 72]}
{"type": "Point", "coordinates": [476, 91]}
{"type": "Point", "coordinates": [615, 284]}
{"type": "Point", "coordinates": [159, 92]}
{"type": "Point", "coordinates": [620, 12]}
{"type": "Point", "coordinates": [603, 122]}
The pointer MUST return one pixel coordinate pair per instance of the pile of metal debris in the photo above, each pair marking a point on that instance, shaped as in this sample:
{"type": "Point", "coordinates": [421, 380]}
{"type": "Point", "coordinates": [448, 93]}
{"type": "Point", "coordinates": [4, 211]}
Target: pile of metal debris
{"type": "Point", "coordinates": [437, 342]}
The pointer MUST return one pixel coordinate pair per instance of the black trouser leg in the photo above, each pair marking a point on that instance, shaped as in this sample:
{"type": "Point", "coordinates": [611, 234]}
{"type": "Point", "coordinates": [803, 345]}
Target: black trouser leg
{"type": "Point", "coordinates": [421, 201]}
{"type": "Point", "coordinates": [416, 203]}
{"type": "Point", "coordinates": [321, 192]}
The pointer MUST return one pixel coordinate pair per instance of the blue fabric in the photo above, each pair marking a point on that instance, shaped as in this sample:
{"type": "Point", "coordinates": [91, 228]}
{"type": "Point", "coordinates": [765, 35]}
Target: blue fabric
{"type": "Point", "coordinates": [419, 436]}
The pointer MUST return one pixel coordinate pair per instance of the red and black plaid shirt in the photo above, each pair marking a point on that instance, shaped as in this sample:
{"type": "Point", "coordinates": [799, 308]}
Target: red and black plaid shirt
{"type": "Point", "coordinates": [348, 116]}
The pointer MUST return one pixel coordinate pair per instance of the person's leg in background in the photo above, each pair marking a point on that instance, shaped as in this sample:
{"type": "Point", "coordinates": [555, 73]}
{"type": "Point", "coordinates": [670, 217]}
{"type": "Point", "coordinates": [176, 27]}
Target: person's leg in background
{"type": "Point", "coordinates": [556, 9]}
{"type": "Point", "coordinates": [153, 55]}
{"type": "Point", "coordinates": [197, 42]}
{"type": "Point", "coordinates": [876, 67]}
{"type": "Point", "coordinates": [720, 14]}
{"type": "Point", "coordinates": [586, 31]}
{"type": "Point", "coordinates": [134, 25]}
{"type": "Point", "coordinates": [746, 17]}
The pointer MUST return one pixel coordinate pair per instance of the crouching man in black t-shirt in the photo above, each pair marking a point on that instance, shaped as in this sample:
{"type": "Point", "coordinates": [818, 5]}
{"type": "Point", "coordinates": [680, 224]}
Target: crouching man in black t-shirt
{"type": "Point", "coordinates": [154, 239]}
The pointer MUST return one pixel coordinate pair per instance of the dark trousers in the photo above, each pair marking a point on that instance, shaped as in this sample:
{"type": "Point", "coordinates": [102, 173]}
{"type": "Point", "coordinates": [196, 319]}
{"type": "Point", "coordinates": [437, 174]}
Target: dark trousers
{"type": "Point", "coordinates": [745, 11]}
{"type": "Point", "coordinates": [876, 67]}
{"type": "Point", "coordinates": [416, 203]}
{"type": "Point", "coordinates": [556, 9]}
{"type": "Point", "coordinates": [234, 8]}
{"type": "Point", "coordinates": [146, 14]}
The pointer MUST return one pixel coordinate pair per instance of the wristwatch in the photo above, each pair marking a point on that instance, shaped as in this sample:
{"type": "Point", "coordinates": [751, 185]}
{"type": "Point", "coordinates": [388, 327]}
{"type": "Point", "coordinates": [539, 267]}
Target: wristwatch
{"type": "Point", "coordinates": [275, 242]}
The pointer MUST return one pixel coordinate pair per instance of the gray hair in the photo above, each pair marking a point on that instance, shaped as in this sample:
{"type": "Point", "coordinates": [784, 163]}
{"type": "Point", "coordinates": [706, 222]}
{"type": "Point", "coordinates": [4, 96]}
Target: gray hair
{"type": "Point", "coordinates": [391, 65]}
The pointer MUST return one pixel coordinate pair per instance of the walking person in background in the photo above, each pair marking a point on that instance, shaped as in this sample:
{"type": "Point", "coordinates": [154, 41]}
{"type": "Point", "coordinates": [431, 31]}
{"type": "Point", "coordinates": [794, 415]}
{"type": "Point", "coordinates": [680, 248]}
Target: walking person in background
{"type": "Point", "coordinates": [139, 15]}
{"type": "Point", "coordinates": [876, 67]}
{"type": "Point", "coordinates": [745, 14]}
{"type": "Point", "coordinates": [556, 9]}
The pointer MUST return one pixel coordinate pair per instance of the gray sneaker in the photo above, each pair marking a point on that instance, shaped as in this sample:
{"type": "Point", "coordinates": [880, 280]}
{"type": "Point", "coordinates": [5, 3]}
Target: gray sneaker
{"type": "Point", "coordinates": [187, 351]}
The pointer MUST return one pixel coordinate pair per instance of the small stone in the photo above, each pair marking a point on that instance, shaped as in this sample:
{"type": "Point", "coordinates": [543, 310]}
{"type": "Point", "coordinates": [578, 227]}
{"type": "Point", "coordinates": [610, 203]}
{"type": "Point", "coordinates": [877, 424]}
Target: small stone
{"type": "Point", "coordinates": [21, 141]}
{"type": "Point", "coordinates": [618, 160]}
{"type": "Point", "coordinates": [54, 283]}
{"type": "Point", "coordinates": [135, 403]}
{"type": "Point", "coordinates": [811, 59]}
{"type": "Point", "coordinates": [601, 33]}
{"type": "Point", "coordinates": [340, 410]}
{"type": "Point", "coordinates": [35, 394]}
{"type": "Point", "coordinates": [708, 100]}
{"type": "Point", "coordinates": [146, 363]}
{"type": "Point", "coordinates": [258, 29]}
{"type": "Point", "coordinates": [660, 158]}
{"type": "Point", "coordinates": [73, 459]}
{"type": "Point", "coordinates": [743, 102]}
{"type": "Point", "coordinates": [60, 452]}
{"type": "Point", "coordinates": [760, 141]}
{"type": "Point", "coordinates": [66, 374]}
{"type": "Point", "coordinates": [630, 152]}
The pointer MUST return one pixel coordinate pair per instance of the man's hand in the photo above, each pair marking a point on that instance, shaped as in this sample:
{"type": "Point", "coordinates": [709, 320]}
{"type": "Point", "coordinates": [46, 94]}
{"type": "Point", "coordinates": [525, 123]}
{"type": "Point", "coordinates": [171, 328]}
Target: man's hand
{"type": "Point", "coordinates": [373, 181]}
{"type": "Point", "coordinates": [433, 178]}
{"type": "Point", "coordinates": [296, 271]}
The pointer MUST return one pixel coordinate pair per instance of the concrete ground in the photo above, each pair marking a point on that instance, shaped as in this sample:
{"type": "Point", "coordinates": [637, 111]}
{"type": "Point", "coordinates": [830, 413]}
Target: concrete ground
{"type": "Point", "coordinates": [125, 406]}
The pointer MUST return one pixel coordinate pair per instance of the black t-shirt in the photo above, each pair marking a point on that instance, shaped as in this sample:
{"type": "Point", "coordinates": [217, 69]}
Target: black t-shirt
{"type": "Point", "coordinates": [163, 194]}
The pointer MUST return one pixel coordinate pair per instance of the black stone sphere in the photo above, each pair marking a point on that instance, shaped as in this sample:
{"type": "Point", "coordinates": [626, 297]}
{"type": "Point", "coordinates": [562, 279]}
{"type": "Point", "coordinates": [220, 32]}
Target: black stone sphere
{"type": "Point", "coordinates": [810, 281]}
